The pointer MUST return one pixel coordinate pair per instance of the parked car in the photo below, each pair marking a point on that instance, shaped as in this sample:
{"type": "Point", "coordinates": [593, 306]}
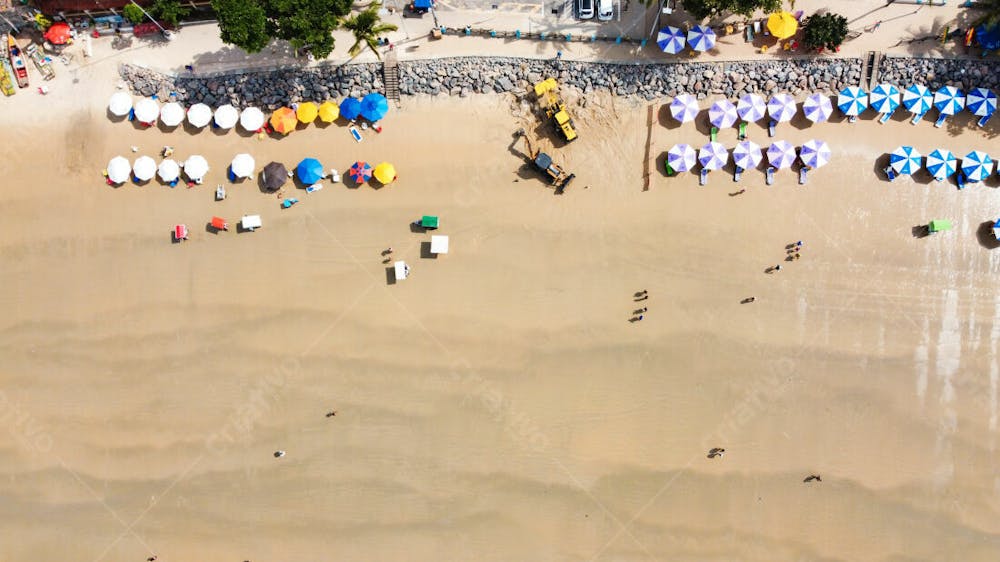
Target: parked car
{"type": "Point", "coordinates": [605, 10]}
{"type": "Point", "coordinates": [585, 9]}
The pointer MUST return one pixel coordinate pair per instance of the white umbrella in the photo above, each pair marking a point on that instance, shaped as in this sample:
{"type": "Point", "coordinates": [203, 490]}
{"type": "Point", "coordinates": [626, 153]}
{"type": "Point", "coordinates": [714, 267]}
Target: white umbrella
{"type": "Point", "coordinates": [146, 110]}
{"type": "Point", "coordinates": [781, 108]}
{"type": "Point", "coordinates": [747, 155]}
{"type": "Point", "coordinates": [171, 114]}
{"type": "Point", "coordinates": [195, 167]}
{"type": "Point", "coordinates": [684, 107]}
{"type": "Point", "coordinates": [905, 160]}
{"type": "Point", "coordinates": [242, 165]}
{"type": "Point", "coordinates": [120, 104]}
{"type": "Point", "coordinates": [226, 116]}
{"type": "Point", "coordinates": [144, 168]}
{"type": "Point", "coordinates": [681, 157]}
{"type": "Point", "coordinates": [252, 119]}
{"type": "Point", "coordinates": [722, 114]}
{"type": "Point", "coordinates": [199, 115]}
{"type": "Point", "coordinates": [713, 156]}
{"type": "Point", "coordinates": [815, 154]}
{"type": "Point", "coordinates": [751, 108]}
{"type": "Point", "coordinates": [781, 154]}
{"type": "Point", "coordinates": [168, 170]}
{"type": "Point", "coordinates": [118, 169]}
{"type": "Point", "coordinates": [817, 108]}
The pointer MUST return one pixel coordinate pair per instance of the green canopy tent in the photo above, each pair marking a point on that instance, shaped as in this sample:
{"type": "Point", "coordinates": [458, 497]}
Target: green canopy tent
{"type": "Point", "coordinates": [939, 225]}
{"type": "Point", "coordinates": [429, 222]}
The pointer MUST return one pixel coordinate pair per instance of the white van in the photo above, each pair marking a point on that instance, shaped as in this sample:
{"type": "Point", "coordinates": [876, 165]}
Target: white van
{"type": "Point", "coordinates": [585, 9]}
{"type": "Point", "coordinates": [605, 10]}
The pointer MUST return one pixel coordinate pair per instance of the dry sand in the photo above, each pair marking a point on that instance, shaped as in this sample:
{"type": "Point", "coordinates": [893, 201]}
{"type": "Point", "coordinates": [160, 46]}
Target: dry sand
{"type": "Point", "coordinates": [497, 405]}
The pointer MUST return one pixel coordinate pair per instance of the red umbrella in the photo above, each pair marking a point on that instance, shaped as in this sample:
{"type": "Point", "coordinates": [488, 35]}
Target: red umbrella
{"type": "Point", "coordinates": [59, 34]}
{"type": "Point", "coordinates": [360, 172]}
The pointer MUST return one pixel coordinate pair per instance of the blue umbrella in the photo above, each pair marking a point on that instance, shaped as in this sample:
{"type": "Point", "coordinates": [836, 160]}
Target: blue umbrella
{"type": "Point", "coordinates": [884, 98]}
{"type": "Point", "coordinates": [701, 38]}
{"type": "Point", "coordinates": [988, 37]}
{"type": "Point", "coordinates": [981, 102]}
{"type": "Point", "coordinates": [852, 101]}
{"type": "Point", "coordinates": [373, 107]}
{"type": "Point", "coordinates": [671, 40]}
{"type": "Point", "coordinates": [350, 109]}
{"type": "Point", "coordinates": [949, 100]}
{"type": "Point", "coordinates": [977, 166]}
{"type": "Point", "coordinates": [941, 163]}
{"type": "Point", "coordinates": [309, 171]}
{"type": "Point", "coordinates": [905, 160]}
{"type": "Point", "coordinates": [918, 99]}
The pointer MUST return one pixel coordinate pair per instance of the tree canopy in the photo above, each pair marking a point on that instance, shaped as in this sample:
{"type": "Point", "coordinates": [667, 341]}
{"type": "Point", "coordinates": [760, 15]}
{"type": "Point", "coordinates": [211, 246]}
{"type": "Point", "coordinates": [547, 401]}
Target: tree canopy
{"type": "Point", "coordinates": [825, 31]}
{"type": "Point", "coordinates": [367, 26]}
{"type": "Point", "coordinates": [169, 12]}
{"type": "Point", "coordinates": [242, 23]}
{"type": "Point", "coordinates": [305, 24]}
{"type": "Point", "coordinates": [706, 8]}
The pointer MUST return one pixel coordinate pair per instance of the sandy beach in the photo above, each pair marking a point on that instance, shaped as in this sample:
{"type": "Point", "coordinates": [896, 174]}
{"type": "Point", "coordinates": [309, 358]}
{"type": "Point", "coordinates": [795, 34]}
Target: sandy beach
{"type": "Point", "coordinates": [498, 404]}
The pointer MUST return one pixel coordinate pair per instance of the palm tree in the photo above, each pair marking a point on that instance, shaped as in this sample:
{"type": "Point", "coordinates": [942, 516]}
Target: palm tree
{"type": "Point", "coordinates": [366, 27]}
{"type": "Point", "coordinates": [992, 9]}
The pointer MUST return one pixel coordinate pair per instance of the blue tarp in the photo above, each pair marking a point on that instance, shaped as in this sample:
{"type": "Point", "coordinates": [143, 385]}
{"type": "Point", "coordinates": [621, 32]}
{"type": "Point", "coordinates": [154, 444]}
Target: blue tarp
{"type": "Point", "coordinates": [988, 37]}
{"type": "Point", "coordinates": [422, 4]}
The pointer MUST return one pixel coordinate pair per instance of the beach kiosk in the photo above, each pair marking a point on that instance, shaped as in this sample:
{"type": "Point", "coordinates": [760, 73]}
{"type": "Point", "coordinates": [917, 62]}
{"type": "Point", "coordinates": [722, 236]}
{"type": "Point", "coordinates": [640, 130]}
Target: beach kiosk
{"type": "Point", "coordinates": [439, 244]}
{"type": "Point", "coordinates": [251, 222]}
{"type": "Point", "coordinates": [401, 269]}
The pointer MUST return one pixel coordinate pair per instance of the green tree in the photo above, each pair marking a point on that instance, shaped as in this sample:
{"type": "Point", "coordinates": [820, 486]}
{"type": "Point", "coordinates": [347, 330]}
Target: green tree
{"type": "Point", "coordinates": [169, 12]}
{"type": "Point", "coordinates": [367, 26]}
{"type": "Point", "coordinates": [242, 23]}
{"type": "Point", "coordinates": [711, 8]}
{"type": "Point", "coordinates": [133, 13]}
{"type": "Point", "coordinates": [992, 15]}
{"type": "Point", "coordinates": [825, 31]}
{"type": "Point", "coordinates": [250, 24]}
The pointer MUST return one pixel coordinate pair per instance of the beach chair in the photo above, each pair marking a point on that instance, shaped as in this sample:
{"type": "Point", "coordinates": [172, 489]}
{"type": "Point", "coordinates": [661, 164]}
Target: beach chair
{"type": "Point", "coordinates": [961, 180]}
{"type": "Point", "coordinates": [355, 133]}
{"type": "Point", "coordinates": [940, 121]}
{"type": "Point", "coordinates": [738, 175]}
{"type": "Point", "coordinates": [713, 134]}
{"type": "Point", "coordinates": [703, 177]}
{"type": "Point", "coordinates": [289, 202]}
{"type": "Point", "coordinates": [885, 117]}
{"type": "Point", "coordinates": [803, 175]}
{"type": "Point", "coordinates": [180, 232]}
{"type": "Point", "coordinates": [219, 223]}
{"type": "Point", "coordinates": [670, 170]}
{"type": "Point", "coordinates": [771, 127]}
{"type": "Point", "coordinates": [890, 173]}
{"type": "Point", "coordinates": [334, 175]}
{"type": "Point", "coordinates": [220, 192]}
{"type": "Point", "coordinates": [314, 188]}
{"type": "Point", "coordinates": [916, 118]}
{"type": "Point", "coordinates": [770, 175]}
{"type": "Point", "coordinates": [982, 121]}
{"type": "Point", "coordinates": [743, 131]}
{"type": "Point", "coordinates": [852, 119]}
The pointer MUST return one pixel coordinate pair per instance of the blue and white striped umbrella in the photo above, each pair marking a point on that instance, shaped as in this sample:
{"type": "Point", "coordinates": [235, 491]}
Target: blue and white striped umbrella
{"type": "Point", "coordinates": [722, 114]}
{"type": "Point", "coordinates": [681, 157]}
{"type": "Point", "coordinates": [713, 156]}
{"type": "Point", "coordinates": [701, 38]}
{"type": "Point", "coordinates": [684, 108]}
{"type": "Point", "coordinates": [941, 163]}
{"type": "Point", "coordinates": [747, 155]}
{"type": "Point", "coordinates": [781, 108]}
{"type": "Point", "coordinates": [977, 166]}
{"type": "Point", "coordinates": [884, 98]}
{"type": "Point", "coordinates": [671, 40]}
{"type": "Point", "coordinates": [781, 154]}
{"type": "Point", "coordinates": [918, 99]}
{"type": "Point", "coordinates": [815, 154]}
{"type": "Point", "coordinates": [817, 108]}
{"type": "Point", "coordinates": [852, 101]}
{"type": "Point", "coordinates": [949, 100]}
{"type": "Point", "coordinates": [981, 102]}
{"type": "Point", "coordinates": [905, 160]}
{"type": "Point", "coordinates": [751, 108]}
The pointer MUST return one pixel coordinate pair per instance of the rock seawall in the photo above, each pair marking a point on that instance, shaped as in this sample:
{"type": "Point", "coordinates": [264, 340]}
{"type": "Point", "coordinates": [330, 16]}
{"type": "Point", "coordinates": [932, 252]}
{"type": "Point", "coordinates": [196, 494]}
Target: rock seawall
{"type": "Point", "coordinates": [464, 76]}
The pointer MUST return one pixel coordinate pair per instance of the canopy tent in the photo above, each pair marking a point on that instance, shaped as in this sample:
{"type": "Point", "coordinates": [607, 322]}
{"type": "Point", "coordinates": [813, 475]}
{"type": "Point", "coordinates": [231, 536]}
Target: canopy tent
{"type": "Point", "coordinates": [226, 116]}
{"type": "Point", "coordinates": [781, 108]}
{"type": "Point", "coordinates": [252, 119]}
{"type": "Point", "coordinates": [284, 120]}
{"type": "Point", "coordinates": [60, 33]}
{"type": "Point", "coordinates": [713, 156]}
{"type": "Point", "coordinates": [360, 172]}
{"type": "Point", "coordinates": [781, 154]}
{"type": "Point", "coordinates": [977, 166]}
{"type": "Point", "coordinates": [939, 225]}
{"type": "Point", "coordinates": [988, 37]}
{"type": "Point", "coordinates": [146, 110]}
{"type": "Point", "coordinates": [309, 171]}
{"type": "Point", "coordinates": [171, 114]}
{"type": "Point", "coordinates": [917, 99]}
{"type": "Point", "coordinates": [782, 25]}
{"type": "Point", "coordinates": [701, 38]}
{"type": "Point", "coordinates": [905, 160]}
{"type": "Point", "coordinates": [195, 167]}
{"type": "Point", "coordinates": [144, 168]}
{"type": "Point", "coordinates": [242, 165]}
{"type": "Point", "coordinates": [852, 101]}
{"type": "Point", "coordinates": [815, 154]}
{"type": "Point", "coordinates": [120, 104]}
{"type": "Point", "coordinates": [981, 102]}
{"type": "Point", "coordinates": [817, 108]}
{"type": "Point", "coordinates": [747, 155]}
{"type": "Point", "coordinates": [439, 244]}
{"type": "Point", "coordinates": [307, 112]}
{"type": "Point", "coordinates": [328, 112]}
{"type": "Point", "coordinates": [949, 100]}
{"type": "Point", "coordinates": [119, 169]}
{"type": "Point", "coordinates": [385, 173]}
{"type": "Point", "coordinates": [751, 107]}
{"type": "Point", "coordinates": [199, 115]}
{"type": "Point", "coordinates": [350, 108]}
{"type": "Point", "coordinates": [671, 40]}
{"type": "Point", "coordinates": [941, 163]}
{"type": "Point", "coordinates": [684, 107]}
{"type": "Point", "coordinates": [168, 170]}
{"type": "Point", "coordinates": [273, 176]}
{"type": "Point", "coordinates": [722, 114]}
{"type": "Point", "coordinates": [681, 157]}
{"type": "Point", "coordinates": [884, 98]}
{"type": "Point", "coordinates": [374, 106]}
{"type": "Point", "coordinates": [430, 222]}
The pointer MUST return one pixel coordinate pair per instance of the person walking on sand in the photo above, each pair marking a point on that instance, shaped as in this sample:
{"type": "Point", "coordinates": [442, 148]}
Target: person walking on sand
{"type": "Point", "coordinates": [748, 300]}
{"type": "Point", "coordinates": [812, 477]}
{"type": "Point", "coordinates": [331, 413]}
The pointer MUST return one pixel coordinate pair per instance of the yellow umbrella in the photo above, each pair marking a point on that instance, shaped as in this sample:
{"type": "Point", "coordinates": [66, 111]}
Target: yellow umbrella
{"type": "Point", "coordinates": [385, 173]}
{"type": "Point", "coordinates": [782, 25]}
{"type": "Point", "coordinates": [283, 120]}
{"type": "Point", "coordinates": [328, 112]}
{"type": "Point", "coordinates": [307, 112]}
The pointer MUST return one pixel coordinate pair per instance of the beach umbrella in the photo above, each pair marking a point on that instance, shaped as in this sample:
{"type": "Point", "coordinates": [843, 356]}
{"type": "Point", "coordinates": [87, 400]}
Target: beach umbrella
{"type": "Point", "coordinates": [852, 101]}
{"type": "Point", "coordinates": [251, 119]}
{"type": "Point", "coordinates": [120, 104]}
{"type": "Point", "coordinates": [905, 160]}
{"type": "Point", "coordinates": [941, 163]}
{"type": "Point", "coordinates": [119, 169]}
{"type": "Point", "coordinates": [242, 165]}
{"type": "Point", "coordinates": [309, 171]}
{"type": "Point", "coordinates": [782, 25]}
{"type": "Point", "coordinates": [977, 166]}
{"type": "Point", "coordinates": [747, 155]}
{"type": "Point", "coordinates": [671, 40]}
{"type": "Point", "coordinates": [988, 37]}
{"type": "Point", "coordinates": [171, 114]}
{"type": "Point", "coordinates": [350, 108]}
{"type": "Point", "coordinates": [374, 106]}
{"type": "Point", "coordinates": [284, 120]}
{"type": "Point", "coordinates": [59, 33]}
{"type": "Point", "coordinates": [274, 176]}
{"type": "Point", "coordinates": [360, 172]}
{"type": "Point", "coordinates": [981, 102]}
{"type": "Point", "coordinates": [815, 154]}
{"type": "Point", "coordinates": [917, 99]}
{"type": "Point", "coordinates": [713, 156]}
{"type": "Point", "coordinates": [817, 108]}
{"type": "Point", "coordinates": [385, 173]}
{"type": "Point", "coordinates": [307, 112]}
{"type": "Point", "coordinates": [949, 100]}
{"type": "Point", "coordinates": [684, 107]}
{"type": "Point", "coordinates": [146, 110]}
{"type": "Point", "coordinates": [722, 114]}
{"type": "Point", "coordinates": [168, 170]}
{"type": "Point", "coordinates": [884, 98]}
{"type": "Point", "coordinates": [328, 112]}
{"type": "Point", "coordinates": [781, 108]}
{"type": "Point", "coordinates": [681, 157]}
{"type": "Point", "coordinates": [144, 168]}
{"type": "Point", "coordinates": [195, 167]}
{"type": "Point", "coordinates": [781, 154]}
{"type": "Point", "coordinates": [751, 108]}
{"type": "Point", "coordinates": [199, 115]}
{"type": "Point", "coordinates": [701, 38]}
{"type": "Point", "coordinates": [226, 116]}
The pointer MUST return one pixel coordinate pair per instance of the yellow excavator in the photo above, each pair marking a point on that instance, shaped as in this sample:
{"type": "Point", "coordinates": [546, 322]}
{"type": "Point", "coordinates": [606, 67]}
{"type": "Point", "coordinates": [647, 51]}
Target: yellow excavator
{"type": "Point", "coordinates": [556, 175]}
{"type": "Point", "coordinates": [555, 108]}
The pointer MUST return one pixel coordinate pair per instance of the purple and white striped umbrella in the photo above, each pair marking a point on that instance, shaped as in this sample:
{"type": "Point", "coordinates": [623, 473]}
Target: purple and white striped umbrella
{"type": "Point", "coordinates": [781, 154]}
{"type": "Point", "coordinates": [781, 108]}
{"type": "Point", "coordinates": [701, 38]}
{"type": "Point", "coordinates": [751, 107]}
{"type": "Point", "coordinates": [817, 108]}
{"type": "Point", "coordinates": [684, 108]}
{"type": "Point", "coordinates": [722, 114]}
{"type": "Point", "coordinates": [815, 154]}
{"type": "Point", "coordinates": [713, 156]}
{"type": "Point", "coordinates": [747, 155]}
{"type": "Point", "coordinates": [681, 157]}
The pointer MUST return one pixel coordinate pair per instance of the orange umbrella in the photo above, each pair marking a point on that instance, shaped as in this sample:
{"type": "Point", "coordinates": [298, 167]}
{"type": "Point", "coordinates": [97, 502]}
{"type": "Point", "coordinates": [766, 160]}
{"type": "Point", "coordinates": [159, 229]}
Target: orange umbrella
{"type": "Point", "coordinates": [284, 120]}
